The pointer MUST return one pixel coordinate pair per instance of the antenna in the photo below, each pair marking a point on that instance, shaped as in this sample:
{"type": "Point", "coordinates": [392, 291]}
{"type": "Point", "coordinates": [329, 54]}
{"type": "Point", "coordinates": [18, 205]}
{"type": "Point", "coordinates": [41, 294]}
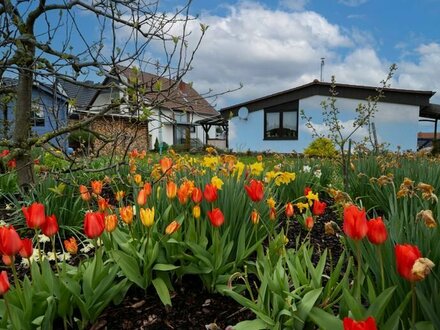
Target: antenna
{"type": "Point", "coordinates": [322, 66]}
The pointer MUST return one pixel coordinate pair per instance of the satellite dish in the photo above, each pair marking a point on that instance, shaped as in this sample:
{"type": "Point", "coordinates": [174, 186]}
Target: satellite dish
{"type": "Point", "coordinates": [243, 113]}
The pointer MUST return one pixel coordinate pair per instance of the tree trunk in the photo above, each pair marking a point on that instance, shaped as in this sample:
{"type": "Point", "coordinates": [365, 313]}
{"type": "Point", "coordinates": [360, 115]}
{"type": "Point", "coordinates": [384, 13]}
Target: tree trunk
{"type": "Point", "coordinates": [22, 129]}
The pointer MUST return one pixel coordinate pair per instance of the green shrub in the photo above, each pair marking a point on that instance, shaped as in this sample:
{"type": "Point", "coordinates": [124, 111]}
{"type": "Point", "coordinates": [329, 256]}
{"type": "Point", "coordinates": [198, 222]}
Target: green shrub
{"type": "Point", "coordinates": [321, 147]}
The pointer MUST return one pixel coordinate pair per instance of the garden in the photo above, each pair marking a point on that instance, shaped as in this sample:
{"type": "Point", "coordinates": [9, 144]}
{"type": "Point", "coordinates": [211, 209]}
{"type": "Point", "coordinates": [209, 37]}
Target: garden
{"type": "Point", "coordinates": [222, 241]}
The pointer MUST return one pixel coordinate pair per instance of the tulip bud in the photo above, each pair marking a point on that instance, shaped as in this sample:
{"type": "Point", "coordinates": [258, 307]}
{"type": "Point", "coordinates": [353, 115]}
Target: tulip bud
{"type": "Point", "coordinates": [196, 211]}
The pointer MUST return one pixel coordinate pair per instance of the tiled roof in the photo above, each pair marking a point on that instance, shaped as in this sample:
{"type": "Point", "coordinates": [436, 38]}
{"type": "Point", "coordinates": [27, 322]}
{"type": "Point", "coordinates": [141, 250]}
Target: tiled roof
{"type": "Point", "coordinates": [173, 95]}
{"type": "Point", "coordinates": [82, 94]}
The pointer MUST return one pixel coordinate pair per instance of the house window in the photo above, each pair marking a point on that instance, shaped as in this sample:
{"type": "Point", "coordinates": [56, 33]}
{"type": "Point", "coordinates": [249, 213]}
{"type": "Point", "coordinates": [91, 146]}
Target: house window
{"type": "Point", "coordinates": [37, 115]}
{"type": "Point", "coordinates": [192, 129]}
{"type": "Point", "coordinates": [281, 122]}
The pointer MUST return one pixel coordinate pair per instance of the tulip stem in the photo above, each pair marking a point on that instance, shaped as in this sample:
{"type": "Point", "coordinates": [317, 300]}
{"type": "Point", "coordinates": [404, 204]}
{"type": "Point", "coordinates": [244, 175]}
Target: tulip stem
{"type": "Point", "coordinates": [382, 274]}
{"type": "Point", "coordinates": [414, 304]}
{"type": "Point", "coordinates": [8, 310]}
{"type": "Point", "coordinates": [55, 253]}
{"type": "Point", "coordinates": [38, 246]}
{"type": "Point", "coordinates": [14, 272]}
{"type": "Point", "coordinates": [359, 273]}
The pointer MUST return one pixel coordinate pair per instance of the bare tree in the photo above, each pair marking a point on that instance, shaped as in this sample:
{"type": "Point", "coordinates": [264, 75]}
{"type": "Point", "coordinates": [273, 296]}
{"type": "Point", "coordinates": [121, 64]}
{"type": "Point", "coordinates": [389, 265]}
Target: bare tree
{"type": "Point", "coordinates": [72, 40]}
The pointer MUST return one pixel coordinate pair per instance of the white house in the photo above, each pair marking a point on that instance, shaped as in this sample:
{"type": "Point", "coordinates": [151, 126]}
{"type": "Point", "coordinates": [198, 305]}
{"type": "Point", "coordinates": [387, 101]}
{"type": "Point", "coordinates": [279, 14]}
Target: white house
{"type": "Point", "coordinates": [273, 122]}
{"type": "Point", "coordinates": [168, 111]}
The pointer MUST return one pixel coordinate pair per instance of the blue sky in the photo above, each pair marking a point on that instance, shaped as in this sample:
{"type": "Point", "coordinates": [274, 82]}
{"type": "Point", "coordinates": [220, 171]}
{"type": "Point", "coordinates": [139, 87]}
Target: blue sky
{"type": "Point", "coordinates": [272, 45]}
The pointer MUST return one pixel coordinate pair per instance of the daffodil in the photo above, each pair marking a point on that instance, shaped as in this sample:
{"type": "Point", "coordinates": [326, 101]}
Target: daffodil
{"type": "Point", "coordinates": [302, 206]}
{"type": "Point", "coordinates": [312, 197]}
{"type": "Point", "coordinates": [217, 182]}
{"type": "Point", "coordinates": [256, 168]}
{"type": "Point", "coordinates": [271, 202]}
{"type": "Point", "coordinates": [285, 178]}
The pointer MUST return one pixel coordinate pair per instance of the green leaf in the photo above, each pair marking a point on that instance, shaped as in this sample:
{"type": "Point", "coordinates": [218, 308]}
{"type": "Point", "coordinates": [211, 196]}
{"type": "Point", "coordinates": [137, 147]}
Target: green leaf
{"type": "Point", "coordinates": [355, 307]}
{"type": "Point", "coordinates": [129, 267]}
{"type": "Point", "coordinates": [379, 305]}
{"type": "Point", "coordinates": [393, 321]}
{"type": "Point", "coordinates": [250, 325]}
{"type": "Point", "coordinates": [165, 267]}
{"type": "Point", "coordinates": [162, 291]}
{"type": "Point", "coordinates": [324, 320]}
{"type": "Point", "coordinates": [306, 305]}
{"type": "Point", "coordinates": [427, 308]}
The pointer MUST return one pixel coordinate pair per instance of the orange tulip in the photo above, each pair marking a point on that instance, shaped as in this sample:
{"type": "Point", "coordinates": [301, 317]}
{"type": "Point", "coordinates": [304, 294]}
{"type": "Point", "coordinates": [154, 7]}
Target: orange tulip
{"type": "Point", "coordinates": [126, 213]}
{"type": "Point", "coordinates": [96, 187]}
{"type": "Point", "coordinates": [183, 193]}
{"type": "Point", "coordinates": [111, 222]}
{"type": "Point", "coordinates": [142, 197]}
{"type": "Point", "coordinates": [255, 217]}
{"type": "Point", "coordinates": [272, 213]}
{"type": "Point", "coordinates": [103, 204]}
{"type": "Point", "coordinates": [119, 195]}
{"type": "Point", "coordinates": [165, 165]}
{"type": "Point", "coordinates": [70, 245]}
{"type": "Point", "coordinates": [172, 228]}
{"type": "Point", "coordinates": [84, 192]}
{"type": "Point", "coordinates": [171, 189]}
{"type": "Point", "coordinates": [147, 188]}
{"type": "Point", "coordinates": [309, 223]}
{"type": "Point", "coordinates": [289, 210]}
{"type": "Point", "coordinates": [137, 179]}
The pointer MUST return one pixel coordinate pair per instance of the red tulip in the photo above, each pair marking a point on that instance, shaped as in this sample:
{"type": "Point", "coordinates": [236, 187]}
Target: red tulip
{"type": "Point", "coordinates": [27, 248]}
{"type": "Point", "coordinates": [406, 256]}
{"type": "Point", "coordinates": [289, 210]}
{"type": "Point", "coordinates": [309, 223]}
{"type": "Point", "coordinates": [4, 282]}
{"type": "Point", "coordinates": [34, 215]}
{"type": "Point", "coordinates": [50, 226]}
{"type": "Point", "coordinates": [94, 224]}
{"type": "Point", "coordinates": [377, 232]}
{"type": "Point", "coordinates": [216, 217]}
{"type": "Point", "coordinates": [355, 222]}
{"type": "Point", "coordinates": [10, 242]}
{"type": "Point", "coordinates": [147, 188]}
{"type": "Point", "coordinates": [7, 260]}
{"type": "Point", "coordinates": [197, 195]}
{"type": "Point", "coordinates": [368, 324]}
{"type": "Point", "coordinates": [307, 190]}
{"type": "Point", "coordinates": [255, 190]}
{"type": "Point", "coordinates": [210, 192]}
{"type": "Point", "coordinates": [318, 208]}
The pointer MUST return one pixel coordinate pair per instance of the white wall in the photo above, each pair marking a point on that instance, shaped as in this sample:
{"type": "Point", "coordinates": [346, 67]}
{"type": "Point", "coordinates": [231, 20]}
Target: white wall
{"type": "Point", "coordinates": [395, 123]}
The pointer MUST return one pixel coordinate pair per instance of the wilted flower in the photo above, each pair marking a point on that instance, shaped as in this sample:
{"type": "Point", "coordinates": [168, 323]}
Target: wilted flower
{"type": "Point", "coordinates": [329, 228]}
{"type": "Point", "coordinates": [428, 218]}
{"type": "Point", "coordinates": [421, 268]}
{"type": "Point", "coordinates": [406, 257]}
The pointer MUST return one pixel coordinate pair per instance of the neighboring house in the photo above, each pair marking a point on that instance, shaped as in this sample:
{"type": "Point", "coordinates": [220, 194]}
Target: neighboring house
{"type": "Point", "coordinates": [425, 139]}
{"type": "Point", "coordinates": [169, 113]}
{"type": "Point", "coordinates": [273, 122]}
{"type": "Point", "coordinates": [49, 110]}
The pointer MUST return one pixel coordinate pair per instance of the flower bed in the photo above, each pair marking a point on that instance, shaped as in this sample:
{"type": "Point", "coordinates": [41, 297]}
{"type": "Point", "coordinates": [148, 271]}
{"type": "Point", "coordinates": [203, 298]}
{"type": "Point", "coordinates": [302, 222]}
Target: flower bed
{"type": "Point", "coordinates": [276, 236]}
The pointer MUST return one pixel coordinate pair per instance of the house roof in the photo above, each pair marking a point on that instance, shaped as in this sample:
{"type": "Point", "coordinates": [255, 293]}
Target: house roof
{"type": "Point", "coordinates": [82, 93]}
{"type": "Point", "coordinates": [173, 95]}
{"type": "Point", "coordinates": [427, 136]}
{"type": "Point", "coordinates": [392, 95]}
{"type": "Point", "coordinates": [47, 88]}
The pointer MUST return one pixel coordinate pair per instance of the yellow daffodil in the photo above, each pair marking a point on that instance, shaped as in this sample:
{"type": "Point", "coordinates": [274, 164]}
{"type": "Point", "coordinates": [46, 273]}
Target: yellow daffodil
{"type": "Point", "coordinates": [285, 178]}
{"type": "Point", "coordinates": [256, 168]}
{"type": "Point", "coordinates": [217, 182]}
{"type": "Point", "coordinates": [270, 175]}
{"type": "Point", "coordinates": [211, 162]}
{"type": "Point", "coordinates": [238, 169]}
{"type": "Point", "coordinates": [271, 202]}
{"type": "Point", "coordinates": [302, 206]}
{"type": "Point", "coordinates": [312, 197]}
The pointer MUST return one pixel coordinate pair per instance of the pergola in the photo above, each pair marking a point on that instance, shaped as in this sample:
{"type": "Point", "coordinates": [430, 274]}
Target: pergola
{"type": "Point", "coordinates": [207, 123]}
{"type": "Point", "coordinates": [431, 113]}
